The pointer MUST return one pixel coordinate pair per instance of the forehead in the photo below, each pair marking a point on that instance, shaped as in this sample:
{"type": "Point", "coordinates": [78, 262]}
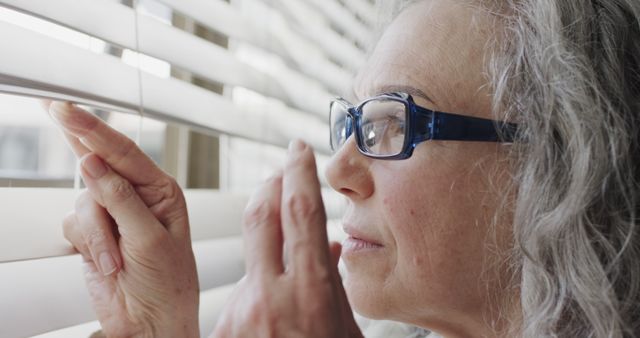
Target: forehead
{"type": "Point", "coordinates": [437, 47]}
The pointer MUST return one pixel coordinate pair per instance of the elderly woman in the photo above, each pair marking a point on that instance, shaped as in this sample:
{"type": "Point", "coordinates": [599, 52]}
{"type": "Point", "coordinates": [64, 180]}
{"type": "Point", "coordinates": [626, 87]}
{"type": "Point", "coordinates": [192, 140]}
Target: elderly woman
{"type": "Point", "coordinates": [491, 173]}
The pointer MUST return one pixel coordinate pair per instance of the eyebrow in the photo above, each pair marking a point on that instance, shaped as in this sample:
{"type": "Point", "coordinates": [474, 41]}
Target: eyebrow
{"type": "Point", "coordinates": [413, 91]}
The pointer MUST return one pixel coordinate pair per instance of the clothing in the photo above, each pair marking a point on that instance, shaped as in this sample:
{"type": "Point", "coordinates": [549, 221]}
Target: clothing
{"type": "Point", "coordinates": [389, 329]}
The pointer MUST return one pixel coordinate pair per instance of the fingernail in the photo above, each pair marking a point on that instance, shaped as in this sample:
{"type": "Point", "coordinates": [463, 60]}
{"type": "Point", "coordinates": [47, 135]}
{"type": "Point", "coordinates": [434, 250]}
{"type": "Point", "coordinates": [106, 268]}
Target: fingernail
{"type": "Point", "coordinates": [107, 264]}
{"type": "Point", "coordinates": [94, 166]}
{"type": "Point", "coordinates": [61, 113]}
{"type": "Point", "coordinates": [53, 114]}
{"type": "Point", "coordinates": [58, 110]}
{"type": "Point", "coordinates": [296, 146]}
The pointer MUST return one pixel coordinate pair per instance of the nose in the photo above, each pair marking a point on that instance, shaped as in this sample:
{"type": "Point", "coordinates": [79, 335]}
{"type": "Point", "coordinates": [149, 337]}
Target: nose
{"type": "Point", "coordinates": [348, 172]}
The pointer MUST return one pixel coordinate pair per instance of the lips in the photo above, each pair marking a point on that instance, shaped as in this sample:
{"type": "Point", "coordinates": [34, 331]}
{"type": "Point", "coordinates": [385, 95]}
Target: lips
{"type": "Point", "coordinates": [358, 241]}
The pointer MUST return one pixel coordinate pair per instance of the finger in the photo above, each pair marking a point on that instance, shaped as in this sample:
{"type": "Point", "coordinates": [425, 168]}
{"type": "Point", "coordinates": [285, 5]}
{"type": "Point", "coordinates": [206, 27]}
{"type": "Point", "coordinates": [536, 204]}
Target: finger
{"type": "Point", "coordinates": [73, 235]}
{"type": "Point", "coordinates": [97, 230]}
{"type": "Point", "coordinates": [136, 224]}
{"type": "Point", "coordinates": [262, 231]}
{"type": "Point", "coordinates": [158, 190]}
{"type": "Point", "coordinates": [345, 309]}
{"type": "Point", "coordinates": [45, 104]}
{"type": "Point", "coordinates": [302, 210]}
{"type": "Point", "coordinates": [335, 249]}
{"type": "Point", "coordinates": [78, 148]}
{"type": "Point", "coordinates": [117, 150]}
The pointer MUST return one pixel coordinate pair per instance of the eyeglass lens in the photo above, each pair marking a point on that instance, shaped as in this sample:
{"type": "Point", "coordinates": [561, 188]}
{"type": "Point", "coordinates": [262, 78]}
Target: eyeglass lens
{"type": "Point", "coordinates": [382, 126]}
{"type": "Point", "coordinates": [339, 124]}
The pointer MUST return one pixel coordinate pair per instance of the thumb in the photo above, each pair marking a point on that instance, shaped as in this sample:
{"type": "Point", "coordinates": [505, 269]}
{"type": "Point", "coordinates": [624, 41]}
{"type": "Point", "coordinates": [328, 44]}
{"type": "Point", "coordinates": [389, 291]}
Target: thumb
{"type": "Point", "coordinates": [335, 249]}
{"type": "Point", "coordinates": [116, 194]}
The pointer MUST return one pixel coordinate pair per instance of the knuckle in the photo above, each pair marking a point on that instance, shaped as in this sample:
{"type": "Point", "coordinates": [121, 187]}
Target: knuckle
{"type": "Point", "coordinates": [311, 265]}
{"type": "Point", "coordinates": [170, 192]}
{"type": "Point", "coordinates": [258, 214]}
{"type": "Point", "coordinates": [96, 238]}
{"type": "Point", "coordinates": [171, 186]}
{"type": "Point", "coordinates": [120, 189]}
{"type": "Point", "coordinates": [302, 207]}
{"type": "Point", "coordinates": [164, 198]}
{"type": "Point", "coordinates": [171, 189]}
{"type": "Point", "coordinates": [300, 244]}
{"type": "Point", "coordinates": [164, 188]}
{"type": "Point", "coordinates": [126, 148]}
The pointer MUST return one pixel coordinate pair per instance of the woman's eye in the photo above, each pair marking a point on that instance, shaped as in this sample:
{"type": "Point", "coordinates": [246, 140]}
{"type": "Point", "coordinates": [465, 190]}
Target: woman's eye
{"type": "Point", "coordinates": [371, 133]}
{"type": "Point", "coordinates": [391, 126]}
{"type": "Point", "coordinates": [395, 126]}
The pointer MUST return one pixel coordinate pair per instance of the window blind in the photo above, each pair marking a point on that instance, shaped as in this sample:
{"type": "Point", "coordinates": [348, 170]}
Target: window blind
{"type": "Point", "coordinates": [283, 61]}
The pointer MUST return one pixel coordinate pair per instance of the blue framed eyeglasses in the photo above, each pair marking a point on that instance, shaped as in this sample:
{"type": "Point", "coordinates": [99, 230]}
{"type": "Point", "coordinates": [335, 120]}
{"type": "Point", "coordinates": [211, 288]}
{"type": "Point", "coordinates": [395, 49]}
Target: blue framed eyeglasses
{"type": "Point", "coordinates": [389, 126]}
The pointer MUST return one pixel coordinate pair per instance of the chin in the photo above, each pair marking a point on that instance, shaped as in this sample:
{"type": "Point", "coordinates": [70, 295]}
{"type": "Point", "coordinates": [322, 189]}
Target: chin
{"type": "Point", "coordinates": [366, 297]}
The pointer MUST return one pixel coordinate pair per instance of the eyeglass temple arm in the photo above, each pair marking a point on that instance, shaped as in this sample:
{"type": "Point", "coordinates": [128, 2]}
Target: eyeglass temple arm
{"type": "Point", "coordinates": [447, 126]}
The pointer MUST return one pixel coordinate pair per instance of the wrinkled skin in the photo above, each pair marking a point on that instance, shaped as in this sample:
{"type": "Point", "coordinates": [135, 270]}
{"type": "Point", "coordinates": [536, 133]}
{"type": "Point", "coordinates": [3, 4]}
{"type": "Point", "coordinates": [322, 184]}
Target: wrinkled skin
{"type": "Point", "coordinates": [305, 298]}
{"type": "Point", "coordinates": [135, 213]}
{"type": "Point", "coordinates": [437, 263]}
{"type": "Point", "coordinates": [135, 216]}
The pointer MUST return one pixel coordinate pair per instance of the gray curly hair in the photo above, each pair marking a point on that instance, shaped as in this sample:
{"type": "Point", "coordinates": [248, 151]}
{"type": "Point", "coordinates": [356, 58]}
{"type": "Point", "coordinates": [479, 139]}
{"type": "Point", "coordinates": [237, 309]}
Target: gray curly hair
{"type": "Point", "coordinates": [569, 73]}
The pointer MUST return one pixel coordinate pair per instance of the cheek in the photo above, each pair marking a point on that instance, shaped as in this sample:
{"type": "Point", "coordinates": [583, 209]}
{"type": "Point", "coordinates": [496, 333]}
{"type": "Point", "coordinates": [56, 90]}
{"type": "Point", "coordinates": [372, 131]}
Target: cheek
{"type": "Point", "coordinates": [437, 237]}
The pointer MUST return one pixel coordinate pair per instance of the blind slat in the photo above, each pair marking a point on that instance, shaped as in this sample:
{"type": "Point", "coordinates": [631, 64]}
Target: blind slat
{"type": "Point", "coordinates": [66, 69]}
{"type": "Point", "coordinates": [333, 44]}
{"type": "Point", "coordinates": [99, 79]}
{"type": "Point", "coordinates": [212, 303]}
{"type": "Point", "coordinates": [33, 235]}
{"type": "Point", "coordinates": [251, 169]}
{"type": "Point", "coordinates": [43, 295]}
{"type": "Point", "coordinates": [364, 9]}
{"type": "Point", "coordinates": [97, 19]}
{"type": "Point", "coordinates": [220, 16]}
{"type": "Point", "coordinates": [345, 20]}
{"type": "Point", "coordinates": [39, 234]}
{"type": "Point", "coordinates": [267, 29]}
{"type": "Point", "coordinates": [203, 58]}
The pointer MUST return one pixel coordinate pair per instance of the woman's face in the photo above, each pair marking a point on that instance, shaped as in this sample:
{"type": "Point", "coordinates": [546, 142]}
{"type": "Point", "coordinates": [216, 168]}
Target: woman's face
{"type": "Point", "coordinates": [422, 249]}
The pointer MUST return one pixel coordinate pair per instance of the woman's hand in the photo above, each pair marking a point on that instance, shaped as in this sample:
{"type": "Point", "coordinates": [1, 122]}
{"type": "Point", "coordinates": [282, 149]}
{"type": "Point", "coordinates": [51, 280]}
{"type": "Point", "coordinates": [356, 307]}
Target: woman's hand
{"type": "Point", "coordinates": [305, 297]}
{"type": "Point", "coordinates": [132, 229]}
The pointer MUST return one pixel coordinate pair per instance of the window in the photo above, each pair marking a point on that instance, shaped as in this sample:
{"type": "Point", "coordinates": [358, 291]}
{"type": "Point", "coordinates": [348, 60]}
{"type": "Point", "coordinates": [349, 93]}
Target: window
{"type": "Point", "coordinates": [212, 90]}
